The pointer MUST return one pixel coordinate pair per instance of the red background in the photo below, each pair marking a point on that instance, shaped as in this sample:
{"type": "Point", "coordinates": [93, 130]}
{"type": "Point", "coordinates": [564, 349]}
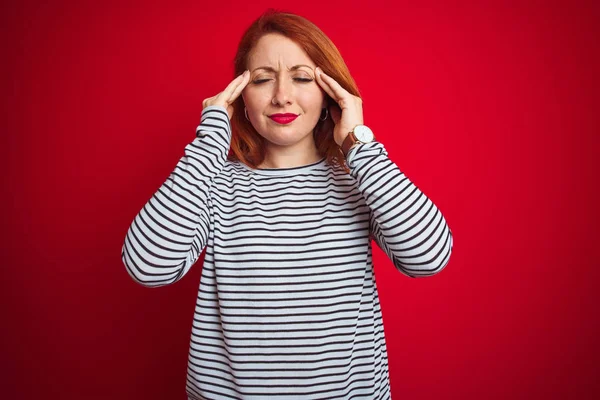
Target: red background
{"type": "Point", "coordinates": [491, 109]}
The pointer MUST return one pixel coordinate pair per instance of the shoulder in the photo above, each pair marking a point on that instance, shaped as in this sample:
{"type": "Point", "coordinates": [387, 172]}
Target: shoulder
{"type": "Point", "coordinates": [233, 168]}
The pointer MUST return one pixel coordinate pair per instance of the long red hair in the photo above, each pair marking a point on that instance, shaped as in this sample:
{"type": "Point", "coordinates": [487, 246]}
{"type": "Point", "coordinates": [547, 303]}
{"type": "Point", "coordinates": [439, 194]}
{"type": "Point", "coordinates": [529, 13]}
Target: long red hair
{"type": "Point", "coordinates": [247, 145]}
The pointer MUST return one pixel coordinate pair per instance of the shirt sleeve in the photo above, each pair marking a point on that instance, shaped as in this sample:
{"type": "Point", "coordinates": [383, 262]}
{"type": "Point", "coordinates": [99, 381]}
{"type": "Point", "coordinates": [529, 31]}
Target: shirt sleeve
{"type": "Point", "coordinates": [170, 232]}
{"type": "Point", "coordinates": [404, 222]}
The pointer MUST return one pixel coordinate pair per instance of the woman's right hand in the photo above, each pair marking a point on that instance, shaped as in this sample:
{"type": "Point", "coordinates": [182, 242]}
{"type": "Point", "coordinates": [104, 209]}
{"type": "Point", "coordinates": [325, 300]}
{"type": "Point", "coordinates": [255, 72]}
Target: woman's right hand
{"type": "Point", "coordinates": [228, 96]}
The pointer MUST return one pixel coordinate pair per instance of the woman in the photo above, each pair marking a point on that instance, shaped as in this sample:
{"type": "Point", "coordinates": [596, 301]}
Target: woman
{"type": "Point", "coordinates": [288, 304]}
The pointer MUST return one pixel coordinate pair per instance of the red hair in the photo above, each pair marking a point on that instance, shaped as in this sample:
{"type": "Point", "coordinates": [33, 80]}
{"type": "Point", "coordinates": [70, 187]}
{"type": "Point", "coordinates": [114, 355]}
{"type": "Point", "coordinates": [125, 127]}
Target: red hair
{"type": "Point", "coordinates": [247, 145]}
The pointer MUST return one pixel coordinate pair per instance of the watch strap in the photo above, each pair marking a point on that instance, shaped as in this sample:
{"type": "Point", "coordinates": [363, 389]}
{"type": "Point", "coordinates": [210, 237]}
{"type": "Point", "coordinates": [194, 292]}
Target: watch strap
{"type": "Point", "coordinates": [349, 142]}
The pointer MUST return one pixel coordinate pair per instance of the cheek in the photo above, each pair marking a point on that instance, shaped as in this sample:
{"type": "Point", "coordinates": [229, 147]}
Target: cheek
{"type": "Point", "coordinates": [256, 99]}
{"type": "Point", "coordinates": [311, 100]}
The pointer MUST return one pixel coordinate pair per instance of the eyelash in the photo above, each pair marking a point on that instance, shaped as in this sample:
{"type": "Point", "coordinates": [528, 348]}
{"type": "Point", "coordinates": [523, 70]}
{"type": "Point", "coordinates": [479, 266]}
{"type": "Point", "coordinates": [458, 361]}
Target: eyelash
{"type": "Point", "coordinates": [303, 80]}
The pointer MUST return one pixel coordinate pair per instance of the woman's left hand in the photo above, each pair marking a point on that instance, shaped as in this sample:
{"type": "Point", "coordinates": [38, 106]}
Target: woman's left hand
{"type": "Point", "coordinates": [352, 113]}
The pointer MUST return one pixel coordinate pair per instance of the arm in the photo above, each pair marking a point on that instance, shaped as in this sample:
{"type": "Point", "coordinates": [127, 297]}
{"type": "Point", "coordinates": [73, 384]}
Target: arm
{"type": "Point", "coordinates": [170, 232]}
{"type": "Point", "coordinates": [405, 223]}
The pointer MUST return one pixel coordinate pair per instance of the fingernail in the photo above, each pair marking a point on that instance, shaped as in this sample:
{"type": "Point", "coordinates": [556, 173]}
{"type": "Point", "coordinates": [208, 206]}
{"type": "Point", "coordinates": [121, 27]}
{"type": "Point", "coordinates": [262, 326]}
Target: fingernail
{"type": "Point", "coordinates": [318, 70]}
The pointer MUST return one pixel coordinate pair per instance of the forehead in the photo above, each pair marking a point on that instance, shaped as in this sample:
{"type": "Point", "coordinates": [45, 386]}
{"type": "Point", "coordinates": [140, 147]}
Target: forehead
{"type": "Point", "coordinates": [274, 49]}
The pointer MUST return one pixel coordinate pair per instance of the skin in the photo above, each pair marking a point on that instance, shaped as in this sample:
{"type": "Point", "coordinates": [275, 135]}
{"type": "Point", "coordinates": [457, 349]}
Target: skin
{"type": "Point", "coordinates": [284, 89]}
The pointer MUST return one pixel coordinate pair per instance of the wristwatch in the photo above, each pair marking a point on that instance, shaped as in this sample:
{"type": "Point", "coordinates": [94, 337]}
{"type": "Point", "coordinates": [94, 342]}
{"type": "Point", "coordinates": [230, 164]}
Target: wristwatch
{"type": "Point", "coordinates": [360, 134]}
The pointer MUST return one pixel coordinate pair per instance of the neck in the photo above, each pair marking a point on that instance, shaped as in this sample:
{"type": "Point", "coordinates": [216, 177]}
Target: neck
{"type": "Point", "coordinates": [290, 156]}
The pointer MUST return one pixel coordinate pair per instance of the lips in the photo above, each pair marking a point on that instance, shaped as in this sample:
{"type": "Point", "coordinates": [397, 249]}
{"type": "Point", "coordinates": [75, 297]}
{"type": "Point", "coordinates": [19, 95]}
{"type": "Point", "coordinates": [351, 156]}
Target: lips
{"type": "Point", "coordinates": [283, 118]}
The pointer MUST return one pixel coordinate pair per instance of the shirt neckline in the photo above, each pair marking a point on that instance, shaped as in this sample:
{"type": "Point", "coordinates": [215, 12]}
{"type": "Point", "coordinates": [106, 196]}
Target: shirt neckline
{"type": "Point", "coordinates": [286, 171]}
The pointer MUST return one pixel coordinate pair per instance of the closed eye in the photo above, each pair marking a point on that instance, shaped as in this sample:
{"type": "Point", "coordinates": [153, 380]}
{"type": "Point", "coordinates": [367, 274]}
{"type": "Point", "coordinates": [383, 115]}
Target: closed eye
{"type": "Point", "coordinates": [304, 80]}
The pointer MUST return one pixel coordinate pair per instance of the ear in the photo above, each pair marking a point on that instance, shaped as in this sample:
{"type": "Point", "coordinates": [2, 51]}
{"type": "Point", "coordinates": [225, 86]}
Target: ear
{"type": "Point", "coordinates": [326, 100]}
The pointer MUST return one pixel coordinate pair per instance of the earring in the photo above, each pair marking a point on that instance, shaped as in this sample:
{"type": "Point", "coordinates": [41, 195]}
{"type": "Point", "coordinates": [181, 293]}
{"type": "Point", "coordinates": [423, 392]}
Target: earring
{"type": "Point", "coordinates": [326, 114]}
{"type": "Point", "coordinates": [246, 114]}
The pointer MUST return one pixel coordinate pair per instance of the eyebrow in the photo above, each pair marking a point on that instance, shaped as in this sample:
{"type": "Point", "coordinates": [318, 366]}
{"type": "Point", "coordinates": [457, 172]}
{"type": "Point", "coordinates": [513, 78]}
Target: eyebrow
{"type": "Point", "coordinates": [295, 67]}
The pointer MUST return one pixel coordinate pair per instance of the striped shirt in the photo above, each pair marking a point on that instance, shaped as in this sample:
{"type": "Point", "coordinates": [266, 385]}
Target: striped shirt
{"type": "Point", "coordinates": [288, 306]}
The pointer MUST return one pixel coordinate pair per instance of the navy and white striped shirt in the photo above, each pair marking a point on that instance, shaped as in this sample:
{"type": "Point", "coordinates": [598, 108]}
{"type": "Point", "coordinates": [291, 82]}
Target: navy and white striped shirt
{"type": "Point", "coordinates": [288, 304]}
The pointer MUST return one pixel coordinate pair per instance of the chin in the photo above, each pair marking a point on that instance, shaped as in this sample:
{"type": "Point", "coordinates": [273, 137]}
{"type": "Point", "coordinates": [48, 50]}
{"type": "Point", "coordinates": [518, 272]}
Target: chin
{"type": "Point", "coordinates": [282, 139]}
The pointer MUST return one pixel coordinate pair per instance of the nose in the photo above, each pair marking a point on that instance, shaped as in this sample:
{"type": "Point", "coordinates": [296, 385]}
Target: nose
{"type": "Point", "coordinates": [283, 93]}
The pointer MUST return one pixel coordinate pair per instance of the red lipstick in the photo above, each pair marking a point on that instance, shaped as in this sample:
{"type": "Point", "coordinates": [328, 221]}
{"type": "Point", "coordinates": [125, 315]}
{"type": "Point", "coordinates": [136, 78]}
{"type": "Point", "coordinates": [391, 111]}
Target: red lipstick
{"type": "Point", "coordinates": [283, 118]}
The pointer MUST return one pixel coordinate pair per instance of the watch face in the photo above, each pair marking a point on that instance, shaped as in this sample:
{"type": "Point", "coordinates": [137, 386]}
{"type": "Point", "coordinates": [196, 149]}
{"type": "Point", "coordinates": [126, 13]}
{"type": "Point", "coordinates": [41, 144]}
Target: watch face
{"type": "Point", "coordinates": [364, 133]}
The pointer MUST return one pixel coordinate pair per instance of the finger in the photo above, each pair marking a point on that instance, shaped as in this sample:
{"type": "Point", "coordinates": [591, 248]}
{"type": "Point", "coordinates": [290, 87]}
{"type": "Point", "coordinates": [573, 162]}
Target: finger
{"type": "Point", "coordinates": [226, 94]}
{"type": "Point", "coordinates": [338, 91]}
{"type": "Point", "coordinates": [324, 85]}
{"type": "Point", "coordinates": [239, 88]}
